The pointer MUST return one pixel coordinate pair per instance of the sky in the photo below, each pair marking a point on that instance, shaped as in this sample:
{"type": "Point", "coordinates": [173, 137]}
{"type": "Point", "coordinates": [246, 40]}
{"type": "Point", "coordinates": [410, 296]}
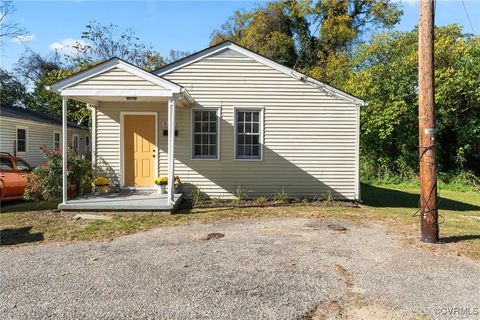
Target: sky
{"type": "Point", "coordinates": [179, 25]}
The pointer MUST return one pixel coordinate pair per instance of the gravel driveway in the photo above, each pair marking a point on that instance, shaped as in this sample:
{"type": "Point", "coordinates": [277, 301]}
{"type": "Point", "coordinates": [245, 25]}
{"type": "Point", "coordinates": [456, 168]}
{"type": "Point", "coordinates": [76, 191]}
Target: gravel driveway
{"type": "Point", "coordinates": [277, 269]}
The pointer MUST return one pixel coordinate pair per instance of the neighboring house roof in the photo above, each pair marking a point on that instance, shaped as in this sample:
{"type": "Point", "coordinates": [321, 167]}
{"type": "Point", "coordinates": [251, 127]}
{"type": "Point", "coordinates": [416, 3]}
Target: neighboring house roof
{"type": "Point", "coordinates": [25, 114]}
{"type": "Point", "coordinates": [261, 59]}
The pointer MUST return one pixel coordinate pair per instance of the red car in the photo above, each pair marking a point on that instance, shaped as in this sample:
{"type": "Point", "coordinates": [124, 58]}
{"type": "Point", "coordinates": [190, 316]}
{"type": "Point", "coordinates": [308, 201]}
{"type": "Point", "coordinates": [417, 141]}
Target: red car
{"type": "Point", "coordinates": [13, 173]}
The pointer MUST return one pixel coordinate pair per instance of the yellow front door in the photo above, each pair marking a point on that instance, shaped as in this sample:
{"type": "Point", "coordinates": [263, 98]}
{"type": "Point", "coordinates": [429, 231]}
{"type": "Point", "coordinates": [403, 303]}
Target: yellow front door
{"type": "Point", "coordinates": [139, 150]}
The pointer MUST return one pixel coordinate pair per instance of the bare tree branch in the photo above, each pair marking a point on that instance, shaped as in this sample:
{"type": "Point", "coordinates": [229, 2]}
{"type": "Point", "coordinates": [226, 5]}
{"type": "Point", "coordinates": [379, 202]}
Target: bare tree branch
{"type": "Point", "coordinates": [9, 29]}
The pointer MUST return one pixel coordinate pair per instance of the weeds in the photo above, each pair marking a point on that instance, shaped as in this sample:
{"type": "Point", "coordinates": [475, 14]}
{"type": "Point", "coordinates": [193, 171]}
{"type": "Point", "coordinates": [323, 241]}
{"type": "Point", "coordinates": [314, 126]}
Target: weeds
{"type": "Point", "coordinates": [329, 198]}
{"type": "Point", "coordinates": [196, 196]}
{"type": "Point", "coordinates": [261, 200]}
{"type": "Point", "coordinates": [240, 194]}
{"type": "Point", "coordinates": [281, 196]}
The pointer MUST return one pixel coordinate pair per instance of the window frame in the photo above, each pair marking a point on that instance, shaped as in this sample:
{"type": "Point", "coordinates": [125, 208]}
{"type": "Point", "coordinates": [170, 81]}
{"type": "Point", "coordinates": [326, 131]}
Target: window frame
{"type": "Point", "coordinates": [261, 131]}
{"type": "Point", "coordinates": [59, 140]}
{"type": "Point", "coordinates": [218, 111]}
{"type": "Point", "coordinates": [78, 144]}
{"type": "Point", "coordinates": [16, 140]}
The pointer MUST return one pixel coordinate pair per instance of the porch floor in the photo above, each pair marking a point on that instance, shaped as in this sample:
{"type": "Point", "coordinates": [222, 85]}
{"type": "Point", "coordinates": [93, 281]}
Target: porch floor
{"type": "Point", "coordinates": [126, 201]}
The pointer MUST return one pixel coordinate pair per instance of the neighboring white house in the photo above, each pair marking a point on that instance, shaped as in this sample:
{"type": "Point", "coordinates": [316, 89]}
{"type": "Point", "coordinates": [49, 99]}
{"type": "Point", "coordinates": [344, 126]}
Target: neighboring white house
{"type": "Point", "coordinates": [23, 132]}
{"type": "Point", "coordinates": [240, 120]}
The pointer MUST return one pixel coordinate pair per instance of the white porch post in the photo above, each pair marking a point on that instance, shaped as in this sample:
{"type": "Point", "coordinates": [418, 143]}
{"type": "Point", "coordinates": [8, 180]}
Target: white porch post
{"type": "Point", "coordinates": [64, 149]}
{"type": "Point", "coordinates": [171, 148]}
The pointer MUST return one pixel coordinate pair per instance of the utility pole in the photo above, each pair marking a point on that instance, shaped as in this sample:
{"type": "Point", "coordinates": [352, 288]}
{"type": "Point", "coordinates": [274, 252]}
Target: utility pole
{"type": "Point", "coordinates": [426, 124]}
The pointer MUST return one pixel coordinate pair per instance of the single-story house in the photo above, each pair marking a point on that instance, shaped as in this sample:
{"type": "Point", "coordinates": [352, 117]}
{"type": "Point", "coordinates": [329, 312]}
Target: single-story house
{"type": "Point", "coordinates": [240, 121]}
{"type": "Point", "coordinates": [23, 132]}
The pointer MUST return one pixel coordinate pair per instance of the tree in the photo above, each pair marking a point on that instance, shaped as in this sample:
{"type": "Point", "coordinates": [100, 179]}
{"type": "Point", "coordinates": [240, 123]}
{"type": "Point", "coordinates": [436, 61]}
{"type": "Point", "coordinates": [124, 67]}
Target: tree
{"type": "Point", "coordinates": [384, 72]}
{"type": "Point", "coordinates": [9, 29]}
{"type": "Point", "coordinates": [266, 30]}
{"type": "Point", "coordinates": [12, 91]}
{"type": "Point", "coordinates": [107, 41]}
{"type": "Point", "coordinates": [316, 38]}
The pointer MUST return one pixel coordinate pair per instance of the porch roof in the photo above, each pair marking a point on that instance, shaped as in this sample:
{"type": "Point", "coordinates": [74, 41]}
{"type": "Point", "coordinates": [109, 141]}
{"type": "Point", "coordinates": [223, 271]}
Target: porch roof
{"type": "Point", "coordinates": [115, 80]}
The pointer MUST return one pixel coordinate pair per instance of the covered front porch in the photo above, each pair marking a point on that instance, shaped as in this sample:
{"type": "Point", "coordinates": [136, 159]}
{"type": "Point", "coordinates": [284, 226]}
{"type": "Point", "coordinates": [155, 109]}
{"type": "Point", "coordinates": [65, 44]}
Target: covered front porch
{"type": "Point", "coordinates": [131, 139]}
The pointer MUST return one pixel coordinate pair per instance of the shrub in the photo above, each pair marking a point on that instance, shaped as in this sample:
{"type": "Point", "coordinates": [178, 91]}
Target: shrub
{"type": "Point", "coordinates": [281, 196]}
{"type": "Point", "coordinates": [45, 181]}
{"type": "Point", "coordinates": [240, 193]}
{"type": "Point", "coordinates": [196, 196]}
{"type": "Point", "coordinates": [329, 197]}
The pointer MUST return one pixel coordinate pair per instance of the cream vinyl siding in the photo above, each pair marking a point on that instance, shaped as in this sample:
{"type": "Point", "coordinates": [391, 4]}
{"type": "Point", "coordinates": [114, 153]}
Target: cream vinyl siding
{"type": "Point", "coordinates": [116, 78]}
{"type": "Point", "coordinates": [38, 134]}
{"type": "Point", "coordinates": [310, 138]}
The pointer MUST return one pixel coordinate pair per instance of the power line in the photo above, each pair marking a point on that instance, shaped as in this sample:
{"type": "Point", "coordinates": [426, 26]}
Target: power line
{"type": "Point", "coordinates": [468, 17]}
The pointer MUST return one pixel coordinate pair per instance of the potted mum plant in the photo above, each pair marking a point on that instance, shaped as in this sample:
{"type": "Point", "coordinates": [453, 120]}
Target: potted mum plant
{"type": "Point", "coordinates": [161, 183]}
{"type": "Point", "coordinates": [102, 184]}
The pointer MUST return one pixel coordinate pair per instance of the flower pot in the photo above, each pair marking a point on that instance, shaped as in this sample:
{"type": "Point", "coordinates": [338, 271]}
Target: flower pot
{"type": "Point", "coordinates": [102, 189]}
{"type": "Point", "coordinates": [161, 189]}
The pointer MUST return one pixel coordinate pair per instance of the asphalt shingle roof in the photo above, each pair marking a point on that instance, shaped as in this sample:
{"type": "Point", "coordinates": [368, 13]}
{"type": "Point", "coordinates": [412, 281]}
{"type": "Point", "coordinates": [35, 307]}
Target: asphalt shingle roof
{"type": "Point", "coordinates": [25, 114]}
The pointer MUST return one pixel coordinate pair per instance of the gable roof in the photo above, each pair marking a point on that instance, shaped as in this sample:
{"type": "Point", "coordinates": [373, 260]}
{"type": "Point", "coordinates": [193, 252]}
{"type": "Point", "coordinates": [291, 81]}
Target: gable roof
{"type": "Point", "coordinates": [10, 111]}
{"type": "Point", "coordinates": [261, 59]}
{"type": "Point", "coordinates": [111, 64]}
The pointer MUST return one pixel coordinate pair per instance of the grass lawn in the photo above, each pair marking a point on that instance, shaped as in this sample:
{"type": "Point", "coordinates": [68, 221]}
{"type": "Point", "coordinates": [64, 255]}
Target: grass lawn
{"type": "Point", "coordinates": [392, 206]}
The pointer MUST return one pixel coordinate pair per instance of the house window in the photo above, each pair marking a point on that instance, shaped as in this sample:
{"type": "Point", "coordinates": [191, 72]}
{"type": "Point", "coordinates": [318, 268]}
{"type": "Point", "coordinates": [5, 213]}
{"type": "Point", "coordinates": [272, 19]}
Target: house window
{"type": "Point", "coordinates": [205, 134]}
{"type": "Point", "coordinates": [87, 143]}
{"type": "Point", "coordinates": [248, 138]}
{"type": "Point", "coordinates": [21, 140]}
{"type": "Point", "coordinates": [56, 140]}
{"type": "Point", "coordinates": [75, 143]}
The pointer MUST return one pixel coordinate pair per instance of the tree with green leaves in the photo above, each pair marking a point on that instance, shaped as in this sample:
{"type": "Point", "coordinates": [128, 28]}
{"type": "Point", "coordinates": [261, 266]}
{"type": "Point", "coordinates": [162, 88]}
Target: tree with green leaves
{"type": "Point", "coordinates": [314, 37]}
{"type": "Point", "coordinates": [384, 72]}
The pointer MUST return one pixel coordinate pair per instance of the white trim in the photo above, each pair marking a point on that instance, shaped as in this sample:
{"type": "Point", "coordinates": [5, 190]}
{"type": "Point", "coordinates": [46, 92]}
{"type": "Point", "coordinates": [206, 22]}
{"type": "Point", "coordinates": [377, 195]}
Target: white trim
{"type": "Point", "coordinates": [64, 150]}
{"type": "Point", "coordinates": [122, 147]}
{"type": "Point", "coordinates": [171, 150]}
{"type": "Point", "coordinates": [261, 129]}
{"type": "Point", "coordinates": [268, 62]}
{"type": "Point", "coordinates": [116, 93]}
{"type": "Point", "coordinates": [21, 153]}
{"type": "Point", "coordinates": [76, 135]}
{"type": "Point", "coordinates": [59, 140]}
{"type": "Point", "coordinates": [192, 126]}
{"type": "Point", "coordinates": [93, 140]}
{"type": "Point", "coordinates": [357, 158]}
{"type": "Point", "coordinates": [108, 65]}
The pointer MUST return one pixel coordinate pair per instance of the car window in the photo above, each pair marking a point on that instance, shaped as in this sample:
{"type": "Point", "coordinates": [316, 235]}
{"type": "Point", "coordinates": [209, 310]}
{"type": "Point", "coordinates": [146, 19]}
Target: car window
{"type": "Point", "coordinates": [22, 165]}
{"type": "Point", "coordinates": [6, 164]}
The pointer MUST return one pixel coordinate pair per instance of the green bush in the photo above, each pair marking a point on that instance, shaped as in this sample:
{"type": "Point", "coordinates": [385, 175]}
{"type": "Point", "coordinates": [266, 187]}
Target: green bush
{"type": "Point", "coordinates": [281, 196]}
{"type": "Point", "coordinates": [45, 181]}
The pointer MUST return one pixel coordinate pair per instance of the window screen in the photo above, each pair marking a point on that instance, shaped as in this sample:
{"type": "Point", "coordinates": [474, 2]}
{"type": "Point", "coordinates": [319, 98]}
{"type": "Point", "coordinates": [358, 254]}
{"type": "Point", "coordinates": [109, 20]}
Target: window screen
{"type": "Point", "coordinates": [21, 140]}
{"type": "Point", "coordinates": [248, 134]}
{"type": "Point", "coordinates": [205, 134]}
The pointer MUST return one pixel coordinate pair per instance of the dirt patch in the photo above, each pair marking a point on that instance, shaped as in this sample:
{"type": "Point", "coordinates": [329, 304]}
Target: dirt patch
{"type": "Point", "coordinates": [336, 227]}
{"type": "Point", "coordinates": [213, 236]}
{"type": "Point", "coordinates": [354, 305]}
